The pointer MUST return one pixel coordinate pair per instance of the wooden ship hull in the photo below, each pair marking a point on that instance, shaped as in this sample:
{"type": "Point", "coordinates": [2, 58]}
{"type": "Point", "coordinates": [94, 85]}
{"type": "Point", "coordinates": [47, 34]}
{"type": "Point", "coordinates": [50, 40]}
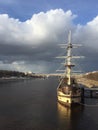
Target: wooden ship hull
{"type": "Point", "coordinates": [69, 95]}
{"type": "Point", "coordinates": [69, 101]}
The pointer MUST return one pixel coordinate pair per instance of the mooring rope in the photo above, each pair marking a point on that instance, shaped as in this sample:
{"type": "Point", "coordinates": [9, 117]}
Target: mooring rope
{"type": "Point", "coordinates": [96, 105]}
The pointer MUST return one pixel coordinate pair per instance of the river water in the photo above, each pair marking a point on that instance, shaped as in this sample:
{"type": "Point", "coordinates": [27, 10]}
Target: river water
{"type": "Point", "coordinates": [32, 105]}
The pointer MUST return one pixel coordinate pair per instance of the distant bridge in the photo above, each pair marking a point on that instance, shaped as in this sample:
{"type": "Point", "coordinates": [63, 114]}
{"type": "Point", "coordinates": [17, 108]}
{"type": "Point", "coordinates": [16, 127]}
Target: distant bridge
{"type": "Point", "coordinates": [54, 74]}
{"type": "Point", "coordinates": [49, 75]}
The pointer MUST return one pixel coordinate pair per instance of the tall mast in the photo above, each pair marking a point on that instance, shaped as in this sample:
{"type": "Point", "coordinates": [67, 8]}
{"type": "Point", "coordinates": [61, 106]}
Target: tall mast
{"type": "Point", "coordinates": [68, 59]}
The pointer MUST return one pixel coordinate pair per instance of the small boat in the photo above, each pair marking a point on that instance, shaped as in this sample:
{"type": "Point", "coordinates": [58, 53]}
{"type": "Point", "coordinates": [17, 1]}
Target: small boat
{"type": "Point", "coordinates": [69, 92]}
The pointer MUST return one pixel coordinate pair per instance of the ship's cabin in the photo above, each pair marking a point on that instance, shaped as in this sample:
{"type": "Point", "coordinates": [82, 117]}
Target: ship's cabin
{"type": "Point", "coordinates": [72, 89]}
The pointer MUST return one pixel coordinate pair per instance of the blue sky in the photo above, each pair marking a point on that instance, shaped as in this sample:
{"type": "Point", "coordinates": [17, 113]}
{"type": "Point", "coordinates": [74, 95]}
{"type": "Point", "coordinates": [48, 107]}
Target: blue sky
{"type": "Point", "coordinates": [31, 29]}
{"type": "Point", "coordinates": [86, 10]}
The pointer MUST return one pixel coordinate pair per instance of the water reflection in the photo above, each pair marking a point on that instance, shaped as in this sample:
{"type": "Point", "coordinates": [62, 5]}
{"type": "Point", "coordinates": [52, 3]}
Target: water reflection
{"type": "Point", "coordinates": [69, 117]}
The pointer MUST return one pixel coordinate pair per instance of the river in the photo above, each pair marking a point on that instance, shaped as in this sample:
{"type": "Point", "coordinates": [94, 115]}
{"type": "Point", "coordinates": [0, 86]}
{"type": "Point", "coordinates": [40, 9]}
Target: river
{"type": "Point", "coordinates": [31, 104]}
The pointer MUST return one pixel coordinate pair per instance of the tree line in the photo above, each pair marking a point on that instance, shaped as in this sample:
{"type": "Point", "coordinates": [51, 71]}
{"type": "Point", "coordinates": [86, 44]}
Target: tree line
{"type": "Point", "coordinates": [7, 73]}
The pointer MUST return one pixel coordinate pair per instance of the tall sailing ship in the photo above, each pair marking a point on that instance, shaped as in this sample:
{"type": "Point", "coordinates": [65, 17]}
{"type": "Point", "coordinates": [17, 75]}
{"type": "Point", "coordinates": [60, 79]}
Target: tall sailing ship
{"type": "Point", "coordinates": [68, 91]}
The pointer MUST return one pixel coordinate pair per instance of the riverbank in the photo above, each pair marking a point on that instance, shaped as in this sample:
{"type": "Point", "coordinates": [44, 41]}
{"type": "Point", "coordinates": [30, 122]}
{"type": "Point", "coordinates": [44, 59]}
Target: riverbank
{"type": "Point", "coordinates": [89, 79]}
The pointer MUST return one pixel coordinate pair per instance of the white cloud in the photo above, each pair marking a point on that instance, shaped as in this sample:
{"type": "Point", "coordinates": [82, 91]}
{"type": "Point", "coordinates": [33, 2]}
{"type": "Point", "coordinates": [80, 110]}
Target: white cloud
{"type": "Point", "coordinates": [42, 27]}
{"type": "Point", "coordinates": [44, 30]}
{"type": "Point", "coordinates": [88, 34]}
{"type": "Point", "coordinates": [37, 67]}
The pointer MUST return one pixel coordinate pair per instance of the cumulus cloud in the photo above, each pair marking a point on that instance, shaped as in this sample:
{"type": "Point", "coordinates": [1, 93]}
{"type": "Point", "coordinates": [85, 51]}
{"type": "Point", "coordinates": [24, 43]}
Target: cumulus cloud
{"type": "Point", "coordinates": [32, 45]}
{"type": "Point", "coordinates": [36, 30]}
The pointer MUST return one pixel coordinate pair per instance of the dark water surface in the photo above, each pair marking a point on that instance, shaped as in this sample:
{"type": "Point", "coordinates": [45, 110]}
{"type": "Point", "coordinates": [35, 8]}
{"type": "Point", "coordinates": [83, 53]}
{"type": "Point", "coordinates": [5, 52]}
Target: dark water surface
{"type": "Point", "coordinates": [32, 105]}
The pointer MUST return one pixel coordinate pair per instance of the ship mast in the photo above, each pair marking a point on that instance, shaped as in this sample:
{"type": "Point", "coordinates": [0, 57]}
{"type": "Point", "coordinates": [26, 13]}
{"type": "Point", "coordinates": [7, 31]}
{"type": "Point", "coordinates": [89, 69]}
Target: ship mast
{"type": "Point", "coordinates": [68, 59]}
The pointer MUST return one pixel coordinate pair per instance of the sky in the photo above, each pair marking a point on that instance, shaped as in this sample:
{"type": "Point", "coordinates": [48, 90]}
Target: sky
{"type": "Point", "coordinates": [30, 31]}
